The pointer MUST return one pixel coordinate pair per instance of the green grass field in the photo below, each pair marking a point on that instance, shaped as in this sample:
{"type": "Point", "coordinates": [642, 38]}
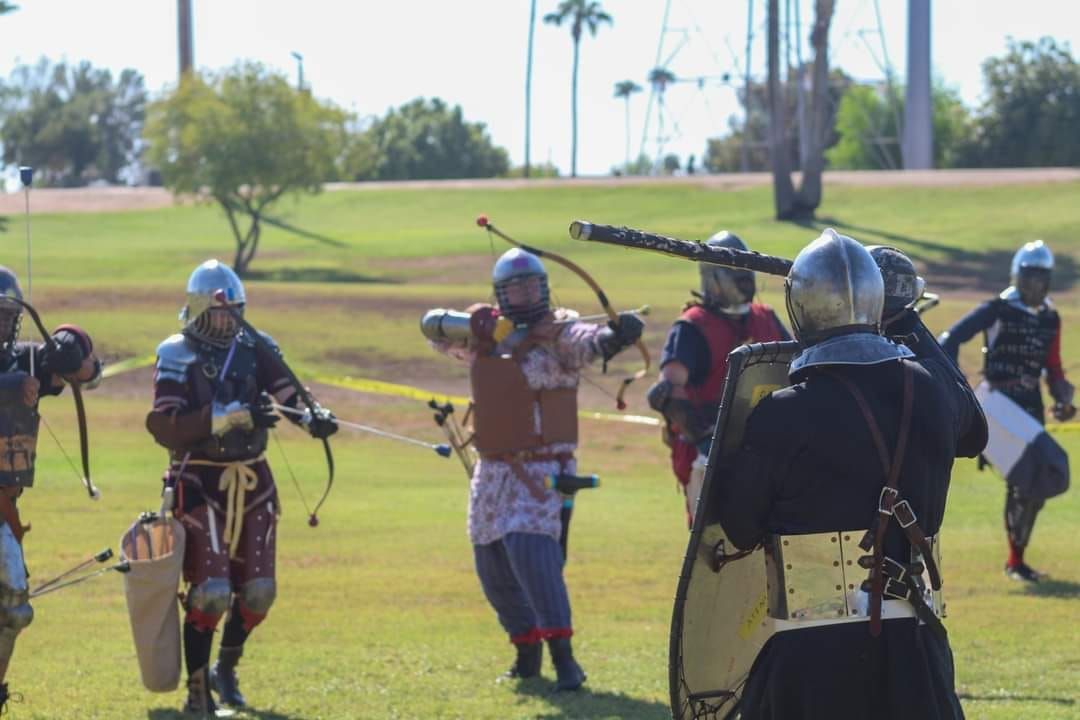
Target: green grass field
{"type": "Point", "coordinates": [379, 614]}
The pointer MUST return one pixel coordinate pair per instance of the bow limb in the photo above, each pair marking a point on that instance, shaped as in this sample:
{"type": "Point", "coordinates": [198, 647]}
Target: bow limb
{"type": "Point", "coordinates": [597, 290]}
{"type": "Point", "coordinates": [313, 520]}
{"type": "Point", "coordinates": [84, 441]}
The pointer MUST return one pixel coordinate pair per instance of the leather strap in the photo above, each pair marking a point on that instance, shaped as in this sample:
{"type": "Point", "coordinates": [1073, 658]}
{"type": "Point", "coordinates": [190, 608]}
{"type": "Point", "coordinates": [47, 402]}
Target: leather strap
{"type": "Point", "coordinates": [890, 499]}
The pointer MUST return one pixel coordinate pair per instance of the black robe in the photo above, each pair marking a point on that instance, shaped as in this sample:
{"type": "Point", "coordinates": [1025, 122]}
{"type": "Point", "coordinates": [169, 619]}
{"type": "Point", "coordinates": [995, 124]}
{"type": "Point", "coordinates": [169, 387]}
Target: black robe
{"type": "Point", "coordinates": [809, 465]}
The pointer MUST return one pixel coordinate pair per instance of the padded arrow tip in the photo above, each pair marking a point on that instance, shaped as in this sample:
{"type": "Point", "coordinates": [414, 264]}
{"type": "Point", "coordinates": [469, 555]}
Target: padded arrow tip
{"type": "Point", "coordinates": [443, 450]}
{"type": "Point", "coordinates": [482, 221]}
{"type": "Point", "coordinates": [313, 521]}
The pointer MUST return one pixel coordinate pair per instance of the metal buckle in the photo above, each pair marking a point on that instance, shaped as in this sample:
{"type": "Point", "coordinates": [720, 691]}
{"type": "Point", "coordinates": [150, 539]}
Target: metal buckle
{"type": "Point", "coordinates": [904, 514]}
{"type": "Point", "coordinates": [886, 506]}
{"type": "Point", "coordinates": [893, 569]}
{"type": "Point", "coordinates": [896, 589]}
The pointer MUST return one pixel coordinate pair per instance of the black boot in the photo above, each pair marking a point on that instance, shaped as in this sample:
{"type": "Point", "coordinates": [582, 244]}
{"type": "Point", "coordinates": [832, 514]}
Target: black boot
{"type": "Point", "coordinates": [5, 696]}
{"type": "Point", "coordinates": [569, 675]}
{"type": "Point", "coordinates": [530, 656]}
{"type": "Point", "coordinates": [200, 702]}
{"type": "Point", "coordinates": [223, 677]}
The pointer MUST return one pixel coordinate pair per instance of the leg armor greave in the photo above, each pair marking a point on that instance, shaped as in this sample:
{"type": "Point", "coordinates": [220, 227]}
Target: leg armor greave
{"type": "Point", "coordinates": [1020, 514]}
{"type": "Point", "coordinates": [15, 610]}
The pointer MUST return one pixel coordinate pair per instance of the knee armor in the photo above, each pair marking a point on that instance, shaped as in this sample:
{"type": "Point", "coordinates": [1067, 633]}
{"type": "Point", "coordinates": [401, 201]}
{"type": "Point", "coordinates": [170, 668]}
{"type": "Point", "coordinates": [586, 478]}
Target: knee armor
{"type": "Point", "coordinates": [258, 595]}
{"type": "Point", "coordinates": [211, 596]}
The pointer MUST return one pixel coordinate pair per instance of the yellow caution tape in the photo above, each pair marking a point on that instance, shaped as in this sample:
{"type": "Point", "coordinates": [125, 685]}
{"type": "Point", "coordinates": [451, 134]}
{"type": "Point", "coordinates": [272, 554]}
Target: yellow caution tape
{"type": "Point", "coordinates": [135, 363]}
{"type": "Point", "coordinates": [378, 387]}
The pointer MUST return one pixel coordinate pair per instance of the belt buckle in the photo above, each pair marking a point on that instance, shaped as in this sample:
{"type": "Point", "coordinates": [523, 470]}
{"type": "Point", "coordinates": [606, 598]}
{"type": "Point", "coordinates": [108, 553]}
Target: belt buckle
{"type": "Point", "coordinates": [886, 500]}
{"type": "Point", "coordinates": [903, 513]}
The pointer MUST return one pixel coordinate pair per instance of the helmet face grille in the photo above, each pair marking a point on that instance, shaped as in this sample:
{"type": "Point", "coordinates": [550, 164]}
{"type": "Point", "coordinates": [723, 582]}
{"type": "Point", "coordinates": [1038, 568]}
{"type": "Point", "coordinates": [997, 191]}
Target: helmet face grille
{"type": "Point", "coordinates": [524, 313]}
{"type": "Point", "coordinates": [215, 326]}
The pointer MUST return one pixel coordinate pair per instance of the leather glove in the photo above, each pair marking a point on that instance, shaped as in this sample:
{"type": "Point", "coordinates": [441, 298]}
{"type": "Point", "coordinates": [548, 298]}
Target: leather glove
{"type": "Point", "coordinates": [262, 413]}
{"type": "Point", "coordinates": [615, 338]}
{"type": "Point", "coordinates": [1063, 412]}
{"type": "Point", "coordinates": [66, 357]}
{"type": "Point", "coordinates": [320, 424]}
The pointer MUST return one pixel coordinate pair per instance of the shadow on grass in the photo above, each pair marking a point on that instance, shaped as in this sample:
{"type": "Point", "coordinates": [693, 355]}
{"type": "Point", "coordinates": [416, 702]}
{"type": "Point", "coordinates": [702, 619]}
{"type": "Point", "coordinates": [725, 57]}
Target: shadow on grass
{"type": "Point", "coordinates": [955, 268]}
{"type": "Point", "coordinates": [1053, 588]}
{"type": "Point", "coordinates": [1009, 697]}
{"type": "Point", "coordinates": [316, 274]}
{"type": "Point", "coordinates": [245, 714]}
{"type": "Point", "coordinates": [290, 228]}
{"type": "Point", "coordinates": [586, 703]}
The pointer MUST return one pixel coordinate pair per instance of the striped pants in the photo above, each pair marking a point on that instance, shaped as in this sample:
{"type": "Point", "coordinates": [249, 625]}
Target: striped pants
{"type": "Point", "coordinates": [522, 579]}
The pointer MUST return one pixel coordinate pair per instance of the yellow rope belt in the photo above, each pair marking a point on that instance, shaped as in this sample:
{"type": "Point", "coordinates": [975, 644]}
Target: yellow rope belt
{"type": "Point", "coordinates": [237, 479]}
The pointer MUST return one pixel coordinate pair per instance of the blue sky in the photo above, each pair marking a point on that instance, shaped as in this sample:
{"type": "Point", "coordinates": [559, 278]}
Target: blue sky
{"type": "Point", "coordinates": [368, 56]}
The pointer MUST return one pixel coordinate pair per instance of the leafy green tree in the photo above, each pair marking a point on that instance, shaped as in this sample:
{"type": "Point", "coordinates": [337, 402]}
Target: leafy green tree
{"type": "Point", "coordinates": [724, 154]}
{"type": "Point", "coordinates": [580, 15]}
{"type": "Point", "coordinates": [244, 138]}
{"type": "Point", "coordinates": [1032, 112]}
{"type": "Point", "coordinates": [427, 139]}
{"type": "Point", "coordinates": [869, 137]}
{"type": "Point", "coordinates": [74, 123]}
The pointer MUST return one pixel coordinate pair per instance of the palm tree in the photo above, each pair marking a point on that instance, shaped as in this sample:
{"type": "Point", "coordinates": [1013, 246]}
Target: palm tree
{"type": "Point", "coordinates": [624, 90]}
{"type": "Point", "coordinates": [660, 78]}
{"type": "Point", "coordinates": [528, 86]}
{"type": "Point", "coordinates": [580, 14]}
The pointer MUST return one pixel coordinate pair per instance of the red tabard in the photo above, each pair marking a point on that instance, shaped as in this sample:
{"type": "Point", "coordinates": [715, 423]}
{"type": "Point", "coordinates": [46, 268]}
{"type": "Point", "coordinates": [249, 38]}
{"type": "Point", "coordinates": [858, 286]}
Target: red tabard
{"type": "Point", "coordinates": [722, 334]}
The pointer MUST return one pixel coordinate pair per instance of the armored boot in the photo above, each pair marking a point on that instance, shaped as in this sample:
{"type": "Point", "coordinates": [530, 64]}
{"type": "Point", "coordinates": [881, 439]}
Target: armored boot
{"type": "Point", "coordinates": [223, 677]}
{"type": "Point", "coordinates": [568, 674]}
{"type": "Point", "coordinates": [200, 703]}
{"type": "Point", "coordinates": [530, 657]}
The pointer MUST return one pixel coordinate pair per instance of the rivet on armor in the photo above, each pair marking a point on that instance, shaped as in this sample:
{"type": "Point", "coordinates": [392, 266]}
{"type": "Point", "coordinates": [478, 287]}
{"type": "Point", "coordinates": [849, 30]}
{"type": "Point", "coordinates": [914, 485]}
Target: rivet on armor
{"type": "Point", "coordinates": [786, 542]}
{"type": "Point", "coordinates": [791, 591]}
{"type": "Point", "coordinates": [836, 563]}
{"type": "Point", "coordinates": [846, 538]}
{"type": "Point", "coordinates": [839, 587]}
{"type": "Point", "coordinates": [789, 566]}
{"type": "Point", "coordinates": [832, 539]}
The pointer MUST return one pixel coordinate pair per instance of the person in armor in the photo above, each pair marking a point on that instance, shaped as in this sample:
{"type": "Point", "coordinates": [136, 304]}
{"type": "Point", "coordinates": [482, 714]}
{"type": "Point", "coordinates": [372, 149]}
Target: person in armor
{"type": "Point", "coordinates": [722, 316]}
{"type": "Point", "coordinates": [1022, 343]}
{"type": "Point", "coordinates": [854, 457]}
{"type": "Point", "coordinates": [28, 371]}
{"type": "Point", "coordinates": [214, 387]}
{"type": "Point", "coordinates": [526, 359]}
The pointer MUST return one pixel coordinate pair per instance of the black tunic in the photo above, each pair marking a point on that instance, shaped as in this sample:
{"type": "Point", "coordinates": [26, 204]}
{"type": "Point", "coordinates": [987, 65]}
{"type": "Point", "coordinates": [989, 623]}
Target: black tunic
{"type": "Point", "coordinates": [809, 465]}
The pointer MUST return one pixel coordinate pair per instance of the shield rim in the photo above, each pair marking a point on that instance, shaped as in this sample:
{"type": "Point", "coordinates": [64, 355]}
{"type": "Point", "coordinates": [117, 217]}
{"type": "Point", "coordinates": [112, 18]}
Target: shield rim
{"type": "Point", "coordinates": [739, 359]}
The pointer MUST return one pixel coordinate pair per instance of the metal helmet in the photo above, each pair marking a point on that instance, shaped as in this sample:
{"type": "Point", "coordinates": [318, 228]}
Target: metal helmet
{"type": "Point", "coordinates": [835, 296]}
{"type": "Point", "coordinates": [1030, 272]}
{"type": "Point", "coordinates": [516, 266]}
{"type": "Point", "coordinates": [10, 312]}
{"type": "Point", "coordinates": [727, 290]}
{"type": "Point", "coordinates": [212, 285]}
{"type": "Point", "coordinates": [903, 286]}
{"type": "Point", "coordinates": [834, 287]}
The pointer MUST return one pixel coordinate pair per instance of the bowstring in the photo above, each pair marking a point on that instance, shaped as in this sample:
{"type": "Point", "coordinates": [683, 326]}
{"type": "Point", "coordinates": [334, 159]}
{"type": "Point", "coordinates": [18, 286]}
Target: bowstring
{"type": "Point", "coordinates": [63, 452]}
{"type": "Point", "coordinates": [288, 466]}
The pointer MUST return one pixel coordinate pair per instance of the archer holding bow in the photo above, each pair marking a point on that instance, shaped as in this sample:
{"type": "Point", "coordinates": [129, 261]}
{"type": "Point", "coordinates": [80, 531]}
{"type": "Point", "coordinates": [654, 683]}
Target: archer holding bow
{"type": "Point", "coordinates": [28, 371]}
{"type": "Point", "coordinates": [526, 360]}
{"type": "Point", "coordinates": [214, 386]}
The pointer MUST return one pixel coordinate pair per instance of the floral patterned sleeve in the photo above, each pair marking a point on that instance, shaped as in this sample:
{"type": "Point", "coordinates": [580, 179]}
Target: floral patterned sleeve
{"type": "Point", "coordinates": [576, 345]}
